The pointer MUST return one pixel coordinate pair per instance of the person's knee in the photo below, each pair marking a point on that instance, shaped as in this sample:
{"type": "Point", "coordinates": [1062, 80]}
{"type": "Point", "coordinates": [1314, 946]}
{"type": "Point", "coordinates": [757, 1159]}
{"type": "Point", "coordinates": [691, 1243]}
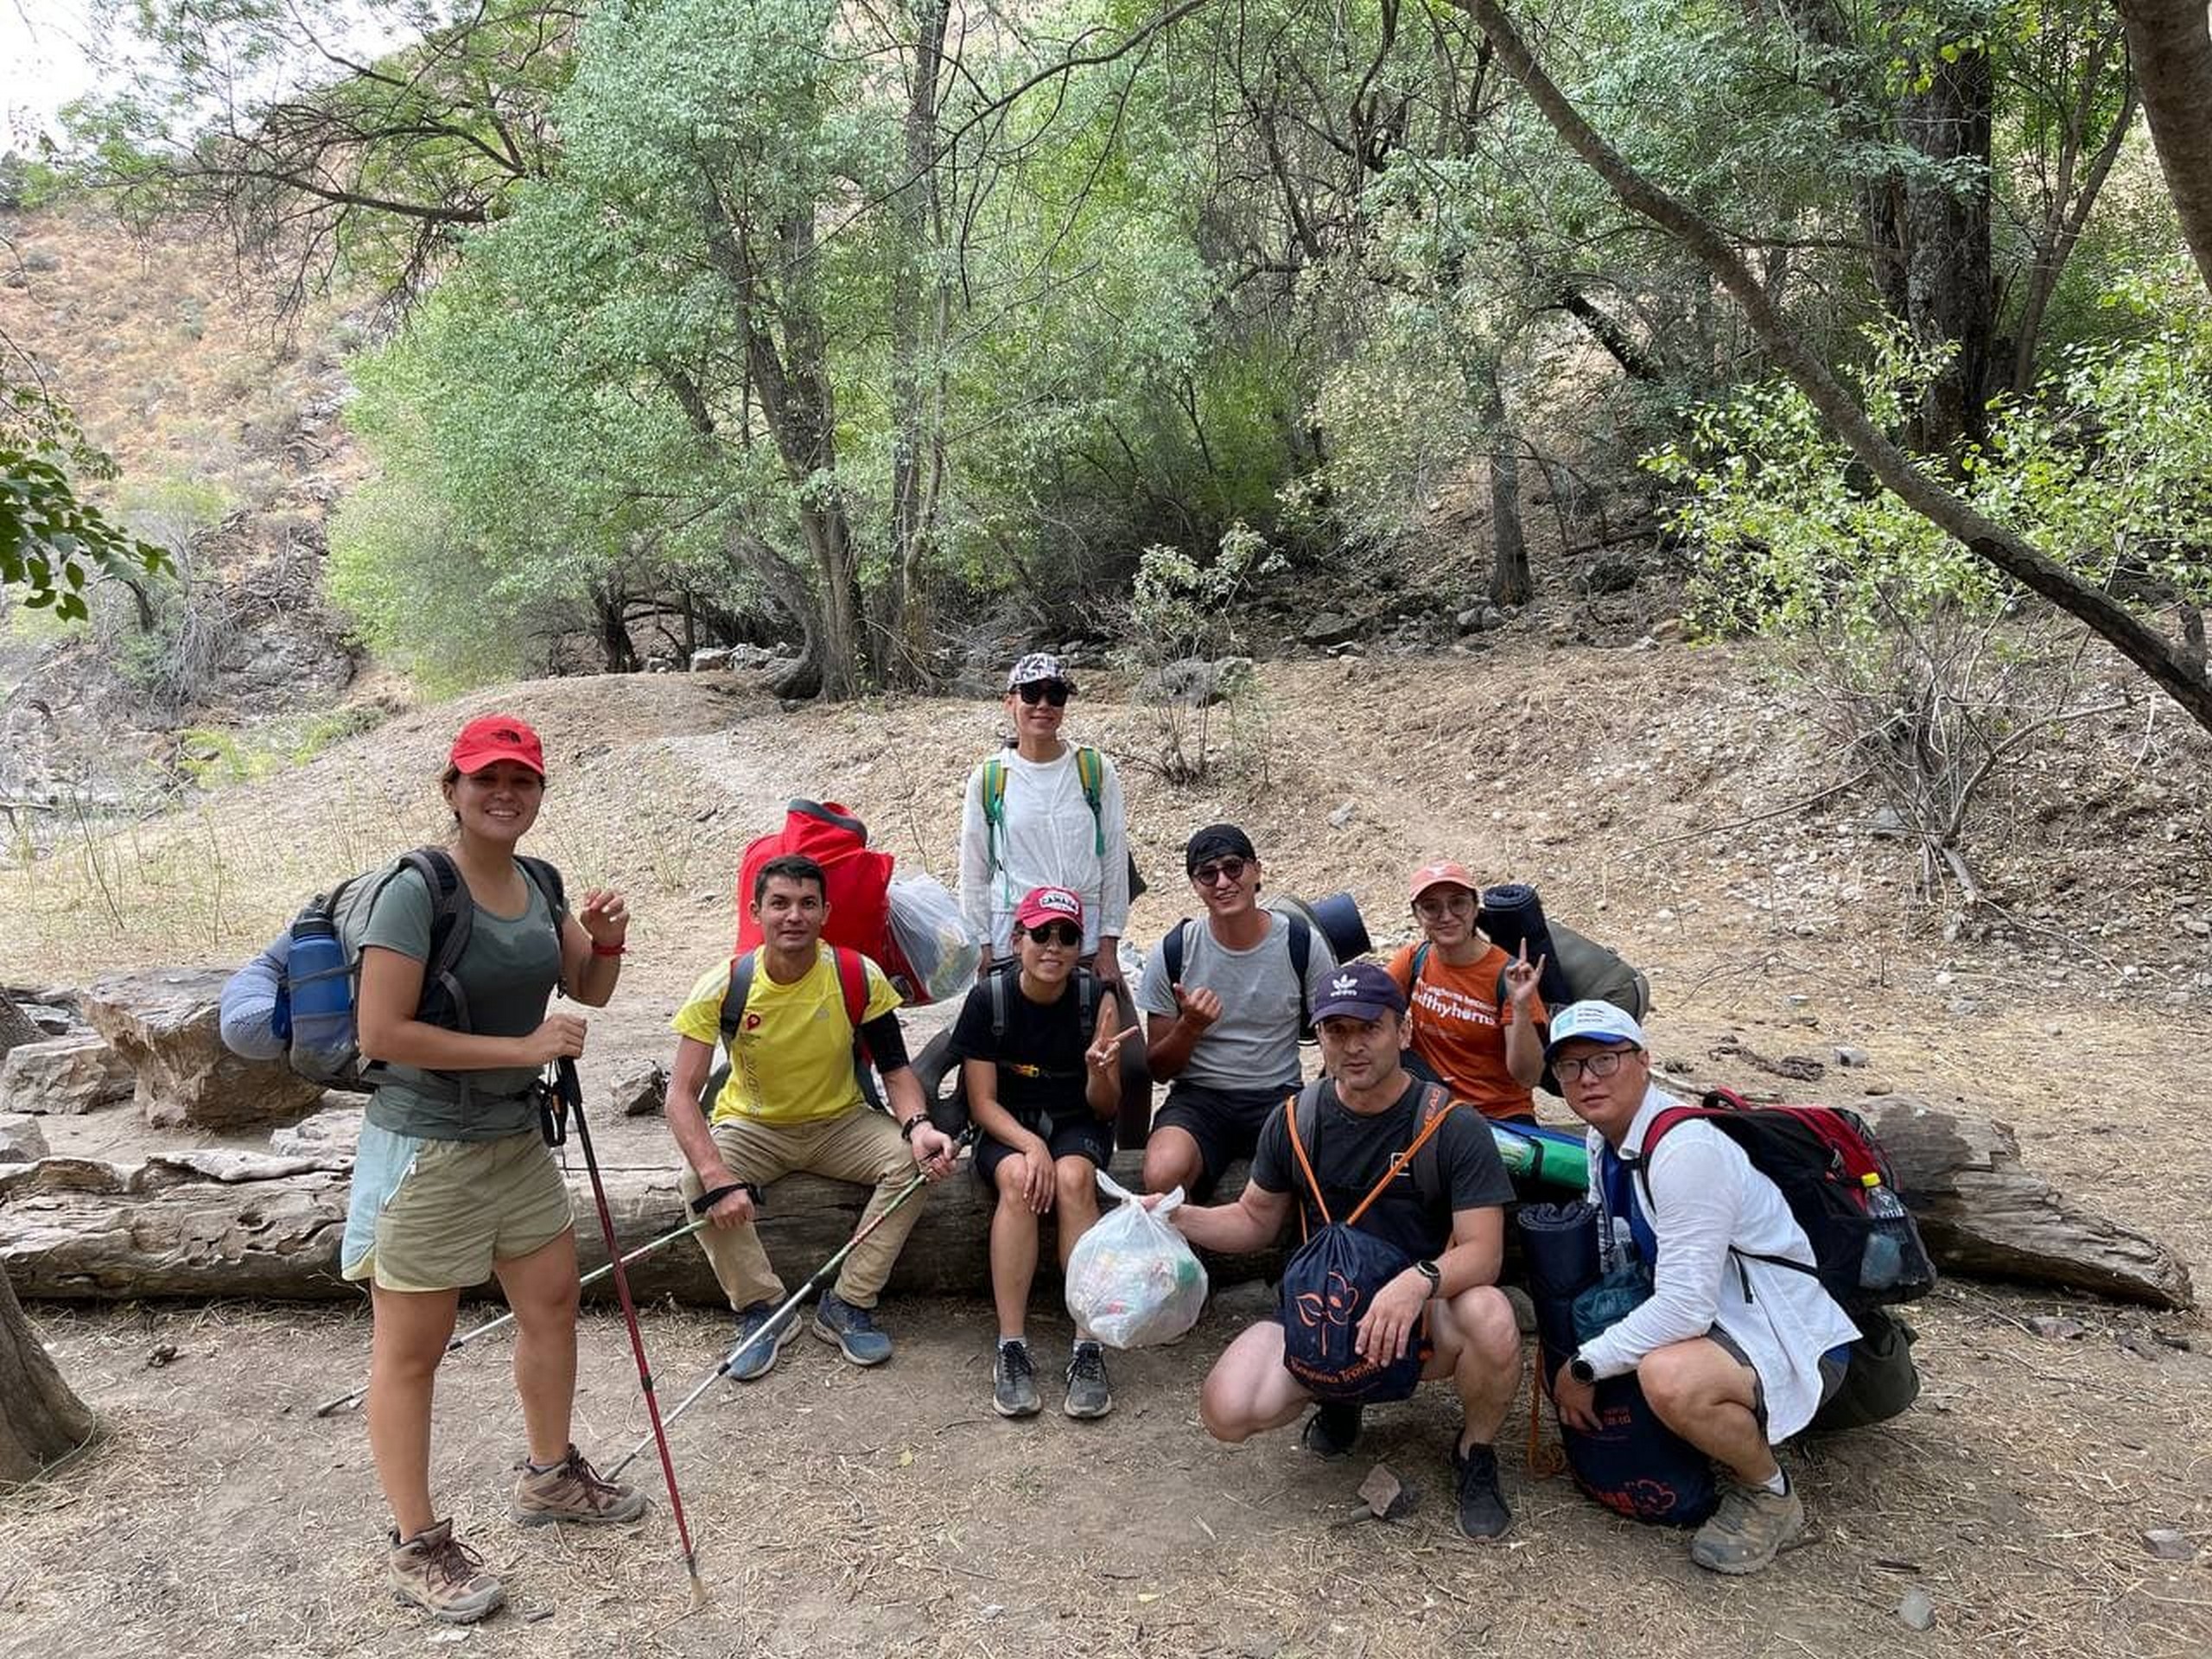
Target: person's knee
{"type": "Point", "coordinates": [1672, 1384]}
{"type": "Point", "coordinates": [1485, 1319]}
{"type": "Point", "coordinates": [1223, 1410]}
{"type": "Point", "coordinates": [1076, 1179]}
{"type": "Point", "coordinates": [1169, 1161]}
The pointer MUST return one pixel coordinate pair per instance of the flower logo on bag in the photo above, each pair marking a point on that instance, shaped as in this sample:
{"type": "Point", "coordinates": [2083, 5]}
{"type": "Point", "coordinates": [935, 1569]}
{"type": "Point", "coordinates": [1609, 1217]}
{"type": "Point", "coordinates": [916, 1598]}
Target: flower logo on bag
{"type": "Point", "coordinates": [1332, 1304]}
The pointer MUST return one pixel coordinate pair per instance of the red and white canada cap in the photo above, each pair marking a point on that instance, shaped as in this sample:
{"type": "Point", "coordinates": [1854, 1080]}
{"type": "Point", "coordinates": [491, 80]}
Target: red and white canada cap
{"type": "Point", "coordinates": [1042, 905]}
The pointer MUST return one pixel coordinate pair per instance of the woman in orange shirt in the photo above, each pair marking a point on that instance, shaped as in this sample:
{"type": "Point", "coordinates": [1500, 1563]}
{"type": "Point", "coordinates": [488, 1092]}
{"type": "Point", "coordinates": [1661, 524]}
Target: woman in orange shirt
{"type": "Point", "coordinates": [1478, 1020]}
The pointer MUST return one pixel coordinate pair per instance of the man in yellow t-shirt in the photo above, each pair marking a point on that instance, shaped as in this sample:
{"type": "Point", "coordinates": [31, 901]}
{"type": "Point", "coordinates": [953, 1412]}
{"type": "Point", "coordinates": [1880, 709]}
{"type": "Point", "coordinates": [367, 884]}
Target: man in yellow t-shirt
{"type": "Point", "coordinates": [793, 1102]}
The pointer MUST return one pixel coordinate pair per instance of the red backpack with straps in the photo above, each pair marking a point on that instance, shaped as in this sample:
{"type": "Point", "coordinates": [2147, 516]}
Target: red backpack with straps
{"type": "Point", "coordinates": [856, 884]}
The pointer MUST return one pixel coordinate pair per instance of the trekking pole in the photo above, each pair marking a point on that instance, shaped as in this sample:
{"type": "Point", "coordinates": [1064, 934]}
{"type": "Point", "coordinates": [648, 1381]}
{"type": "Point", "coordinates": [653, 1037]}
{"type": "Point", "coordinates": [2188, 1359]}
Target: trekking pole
{"type": "Point", "coordinates": [767, 1325]}
{"type": "Point", "coordinates": [570, 1094]}
{"type": "Point", "coordinates": [485, 1330]}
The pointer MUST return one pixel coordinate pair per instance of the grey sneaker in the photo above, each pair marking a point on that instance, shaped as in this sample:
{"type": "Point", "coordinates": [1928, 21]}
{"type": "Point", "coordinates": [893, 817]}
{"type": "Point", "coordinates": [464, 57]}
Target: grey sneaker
{"type": "Point", "coordinates": [436, 1572]}
{"type": "Point", "coordinates": [1089, 1393]}
{"type": "Point", "coordinates": [1013, 1381]}
{"type": "Point", "coordinates": [760, 1358]}
{"type": "Point", "coordinates": [1483, 1513]}
{"type": "Point", "coordinates": [573, 1490]}
{"type": "Point", "coordinates": [1750, 1528]}
{"type": "Point", "coordinates": [853, 1329]}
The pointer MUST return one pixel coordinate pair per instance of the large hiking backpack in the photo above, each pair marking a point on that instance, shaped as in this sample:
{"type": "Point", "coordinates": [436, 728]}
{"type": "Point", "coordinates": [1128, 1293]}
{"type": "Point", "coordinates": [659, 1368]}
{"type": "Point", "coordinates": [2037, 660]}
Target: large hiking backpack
{"type": "Point", "coordinates": [1833, 1173]}
{"type": "Point", "coordinates": [852, 987]}
{"type": "Point", "coordinates": [1576, 968]}
{"type": "Point", "coordinates": [1091, 772]}
{"type": "Point", "coordinates": [344, 912]}
{"type": "Point", "coordinates": [857, 884]}
{"type": "Point", "coordinates": [1333, 1276]}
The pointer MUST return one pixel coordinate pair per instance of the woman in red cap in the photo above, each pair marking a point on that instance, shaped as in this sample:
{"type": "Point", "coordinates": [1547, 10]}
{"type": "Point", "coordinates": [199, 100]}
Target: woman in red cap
{"type": "Point", "coordinates": [453, 1183]}
{"type": "Point", "coordinates": [1478, 1020]}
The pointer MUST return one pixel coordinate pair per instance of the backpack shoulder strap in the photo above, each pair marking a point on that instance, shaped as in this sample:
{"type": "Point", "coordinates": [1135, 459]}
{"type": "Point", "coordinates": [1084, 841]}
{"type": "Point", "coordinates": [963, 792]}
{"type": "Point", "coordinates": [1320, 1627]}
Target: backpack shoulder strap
{"type": "Point", "coordinates": [548, 878]}
{"type": "Point", "coordinates": [1090, 771]}
{"type": "Point", "coordinates": [994, 806]}
{"type": "Point", "coordinates": [1420, 960]}
{"type": "Point", "coordinates": [852, 980]}
{"type": "Point", "coordinates": [1086, 1001]}
{"type": "Point", "coordinates": [1302, 1118]}
{"type": "Point", "coordinates": [994, 984]}
{"type": "Point", "coordinates": [1432, 1113]}
{"type": "Point", "coordinates": [1302, 953]}
{"type": "Point", "coordinates": [734, 999]}
{"type": "Point", "coordinates": [1428, 1169]}
{"type": "Point", "coordinates": [452, 914]}
{"type": "Point", "coordinates": [1173, 947]}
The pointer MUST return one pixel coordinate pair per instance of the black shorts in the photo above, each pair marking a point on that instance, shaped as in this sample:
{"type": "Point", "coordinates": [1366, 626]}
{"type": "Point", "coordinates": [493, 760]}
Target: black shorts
{"type": "Point", "coordinates": [1084, 1136]}
{"type": "Point", "coordinates": [1225, 1122]}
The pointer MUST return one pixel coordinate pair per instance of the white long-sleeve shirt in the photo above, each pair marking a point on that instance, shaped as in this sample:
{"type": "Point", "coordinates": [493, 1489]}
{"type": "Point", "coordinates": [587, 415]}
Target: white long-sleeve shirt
{"type": "Point", "coordinates": [1712, 1212]}
{"type": "Point", "coordinates": [1049, 839]}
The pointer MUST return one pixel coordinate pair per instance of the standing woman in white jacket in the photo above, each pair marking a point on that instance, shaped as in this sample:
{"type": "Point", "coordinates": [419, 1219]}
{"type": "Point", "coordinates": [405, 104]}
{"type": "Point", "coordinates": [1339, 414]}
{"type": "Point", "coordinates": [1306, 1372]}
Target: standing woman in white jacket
{"type": "Point", "coordinates": [1032, 819]}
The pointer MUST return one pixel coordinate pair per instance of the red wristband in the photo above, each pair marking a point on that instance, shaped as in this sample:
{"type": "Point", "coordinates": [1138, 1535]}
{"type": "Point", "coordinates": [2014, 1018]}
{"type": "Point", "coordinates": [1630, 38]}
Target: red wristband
{"type": "Point", "coordinates": [599, 950]}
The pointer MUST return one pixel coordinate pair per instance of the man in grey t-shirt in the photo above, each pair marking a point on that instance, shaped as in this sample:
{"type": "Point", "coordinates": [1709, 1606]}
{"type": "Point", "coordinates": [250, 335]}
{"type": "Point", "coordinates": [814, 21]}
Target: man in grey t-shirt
{"type": "Point", "coordinates": [1223, 1033]}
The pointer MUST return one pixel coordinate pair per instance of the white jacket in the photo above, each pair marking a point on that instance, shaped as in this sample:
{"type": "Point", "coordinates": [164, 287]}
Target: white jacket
{"type": "Point", "coordinates": [1049, 840]}
{"type": "Point", "coordinates": [1712, 1212]}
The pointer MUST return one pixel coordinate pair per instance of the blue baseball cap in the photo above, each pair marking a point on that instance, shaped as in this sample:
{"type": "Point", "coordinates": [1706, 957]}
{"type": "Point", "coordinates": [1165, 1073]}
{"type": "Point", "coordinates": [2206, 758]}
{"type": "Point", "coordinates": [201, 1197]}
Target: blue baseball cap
{"type": "Point", "coordinates": [1594, 1021]}
{"type": "Point", "coordinates": [1360, 989]}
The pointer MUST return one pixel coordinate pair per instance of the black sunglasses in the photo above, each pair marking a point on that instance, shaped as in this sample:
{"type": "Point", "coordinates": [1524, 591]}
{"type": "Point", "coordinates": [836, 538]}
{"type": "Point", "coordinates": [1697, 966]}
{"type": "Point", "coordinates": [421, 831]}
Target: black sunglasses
{"type": "Point", "coordinates": [1037, 691]}
{"type": "Point", "coordinates": [1056, 933]}
{"type": "Point", "coordinates": [1207, 874]}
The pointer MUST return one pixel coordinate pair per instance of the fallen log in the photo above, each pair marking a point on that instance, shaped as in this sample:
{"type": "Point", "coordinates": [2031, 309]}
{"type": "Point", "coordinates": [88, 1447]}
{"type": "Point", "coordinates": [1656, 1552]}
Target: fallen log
{"type": "Point", "coordinates": [225, 1223]}
{"type": "Point", "coordinates": [248, 1224]}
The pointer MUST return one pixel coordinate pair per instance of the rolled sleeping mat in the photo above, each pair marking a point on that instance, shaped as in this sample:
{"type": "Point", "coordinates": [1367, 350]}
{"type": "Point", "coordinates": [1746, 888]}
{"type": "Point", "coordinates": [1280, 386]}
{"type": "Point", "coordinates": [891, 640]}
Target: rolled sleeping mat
{"type": "Point", "coordinates": [1561, 1242]}
{"type": "Point", "coordinates": [1512, 915]}
{"type": "Point", "coordinates": [1552, 1157]}
{"type": "Point", "coordinates": [1335, 917]}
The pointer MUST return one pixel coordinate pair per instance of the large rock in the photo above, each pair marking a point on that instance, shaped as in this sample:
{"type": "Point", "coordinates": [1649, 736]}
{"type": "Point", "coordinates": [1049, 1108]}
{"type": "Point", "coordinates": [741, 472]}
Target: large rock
{"type": "Point", "coordinates": [21, 1140]}
{"type": "Point", "coordinates": [331, 1134]}
{"type": "Point", "coordinates": [1195, 681]}
{"type": "Point", "coordinates": [1331, 628]}
{"type": "Point", "coordinates": [64, 1076]}
{"type": "Point", "coordinates": [162, 1021]}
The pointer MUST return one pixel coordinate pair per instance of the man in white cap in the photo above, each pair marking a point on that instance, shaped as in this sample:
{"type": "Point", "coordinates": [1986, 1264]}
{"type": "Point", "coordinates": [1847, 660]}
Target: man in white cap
{"type": "Point", "coordinates": [1734, 1350]}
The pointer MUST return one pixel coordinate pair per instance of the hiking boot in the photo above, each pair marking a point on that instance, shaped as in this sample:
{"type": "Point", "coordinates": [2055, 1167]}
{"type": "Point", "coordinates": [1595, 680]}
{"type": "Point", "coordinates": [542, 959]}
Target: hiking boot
{"type": "Point", "coordinates": [573, 1490]}
{"type": "Point", "coordinates": [760, 1358]}
{"type": "Point", "coordinates": [1331, 1431]}
{"type": "Point", "coordinates": [1483, 1513]}
{"type": "Point", "coordinates": [1750, 1528]}
{"type": "Point", "coordinates": [436, 1572]}
{"type": "Point", "coordinates": [853, 1329]}
{"type": "Point", "coordinates": [1089, 1393]}
{"type": "Point", "coordinates": [1013, 1381]}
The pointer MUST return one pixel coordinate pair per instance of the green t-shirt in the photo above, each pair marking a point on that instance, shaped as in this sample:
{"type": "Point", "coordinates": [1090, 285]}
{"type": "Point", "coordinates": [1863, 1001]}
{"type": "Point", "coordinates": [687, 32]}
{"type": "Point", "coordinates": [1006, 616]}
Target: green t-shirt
{"type": "Point", "coordinates": [509, 971]}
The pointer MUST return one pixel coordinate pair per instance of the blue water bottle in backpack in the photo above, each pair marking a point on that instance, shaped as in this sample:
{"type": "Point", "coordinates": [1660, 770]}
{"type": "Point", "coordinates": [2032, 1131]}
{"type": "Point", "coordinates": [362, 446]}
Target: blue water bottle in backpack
{"type": "Point", "coordinates": [320, 984]}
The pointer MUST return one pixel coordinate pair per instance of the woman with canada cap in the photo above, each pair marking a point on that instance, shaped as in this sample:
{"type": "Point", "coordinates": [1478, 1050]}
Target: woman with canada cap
{"type": "Point", "coordinates": [1478, 1020]}
{"type": "Point", "coordinates": [453, 1183]}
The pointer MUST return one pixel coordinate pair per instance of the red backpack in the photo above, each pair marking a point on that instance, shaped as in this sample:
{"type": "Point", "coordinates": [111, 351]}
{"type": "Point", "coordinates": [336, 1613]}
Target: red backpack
{"type": "Point", "coordinates": [856, 882]}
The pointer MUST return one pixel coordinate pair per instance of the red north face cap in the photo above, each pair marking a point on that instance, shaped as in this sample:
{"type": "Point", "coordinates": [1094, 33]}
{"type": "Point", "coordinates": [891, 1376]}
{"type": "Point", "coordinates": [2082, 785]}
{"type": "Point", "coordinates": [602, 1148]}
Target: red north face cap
{"type": "Point", "coordinates": [490, 738]}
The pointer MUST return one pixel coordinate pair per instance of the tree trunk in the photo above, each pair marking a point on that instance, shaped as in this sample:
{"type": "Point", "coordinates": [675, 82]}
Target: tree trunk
{"type": "Point", "coordinates": [2171, 44]}
{"type": "Point", "coordinates": [2065, 218]}
{"type": "Point", "coordinates": [40, 1419]}
{"type": "Point", "coordinates": [1511, 582]}
{"type": "Point", "coordinates": [1950, 300]}
{"type": "Point", "coordinates": [610, 610]}
{"type": "Point", "coordinates": [2166, 663]}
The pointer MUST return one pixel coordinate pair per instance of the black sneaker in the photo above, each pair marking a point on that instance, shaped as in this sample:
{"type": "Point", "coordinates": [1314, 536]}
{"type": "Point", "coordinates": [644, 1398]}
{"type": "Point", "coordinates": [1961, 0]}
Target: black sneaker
{"type": "Point", "coordinates": [1483, 1513]}
{"type": "Point", "coordinates": [1089, 1393]}
{"type": "Point", "coordinates": [1331, 1431]}
{"type": "Point", "coordinates": [1013, 1381]}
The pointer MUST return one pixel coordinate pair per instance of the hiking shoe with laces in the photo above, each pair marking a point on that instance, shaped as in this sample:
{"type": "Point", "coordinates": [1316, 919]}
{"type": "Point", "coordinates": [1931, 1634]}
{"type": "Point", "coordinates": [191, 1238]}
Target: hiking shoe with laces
{"type": "Point", "coordinates": [573, 1490]}
{"type": "Point", "coordinates": [853, 1329]}
{"type": "Point", "coordinates": [1089, 1393]}
{"type": "Point", "coordinates": [1013, 1381]}
{"type": "Point", "coordinates": [1483, 1513]}
{"type": "Point", "coordinates": [436, 1572]}
{"type": "Point", "coordinates": [1331, 1431]}
{"type": "Point", "coordinates": [1750, 1528]}
{"type": "Point", "coordinates": [760, 1358]}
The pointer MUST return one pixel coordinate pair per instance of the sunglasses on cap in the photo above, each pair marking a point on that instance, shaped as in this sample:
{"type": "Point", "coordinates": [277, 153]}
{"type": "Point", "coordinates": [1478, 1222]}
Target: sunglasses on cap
{"type": "Point", "coordinates": [1036, 691]}
{"type": "Point", "coordinates": [1065, 933]}
{"type": "Point", "coordinates": [1220, 869]}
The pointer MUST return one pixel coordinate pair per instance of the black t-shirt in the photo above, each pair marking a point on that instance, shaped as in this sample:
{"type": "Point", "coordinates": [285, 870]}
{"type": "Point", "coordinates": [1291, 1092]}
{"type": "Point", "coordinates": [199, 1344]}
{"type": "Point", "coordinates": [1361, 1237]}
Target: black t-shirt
{"type": "Point", "coordinates": [1352, 1152]}
{"type": "Point", "coordinates": [1040, 1058]}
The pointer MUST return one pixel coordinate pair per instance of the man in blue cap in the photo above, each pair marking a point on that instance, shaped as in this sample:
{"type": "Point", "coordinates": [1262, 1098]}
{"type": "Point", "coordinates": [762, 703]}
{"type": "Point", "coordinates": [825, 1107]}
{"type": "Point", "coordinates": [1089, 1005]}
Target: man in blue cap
{"type": "Point", "coordinates": [1445, 1216]}
{"type": "Point", "coordinates": [1734, 1350]}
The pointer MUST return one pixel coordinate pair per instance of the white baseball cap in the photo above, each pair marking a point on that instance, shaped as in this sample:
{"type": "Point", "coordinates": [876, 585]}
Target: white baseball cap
{"type": "Point", "coordinates": [1595, 1021]}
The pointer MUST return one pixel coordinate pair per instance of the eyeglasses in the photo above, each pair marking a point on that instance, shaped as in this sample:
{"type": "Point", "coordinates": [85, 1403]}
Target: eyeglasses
{"type": "Point", "coordinates": [1065, 933]}
{"type": "Point", "coordinates": [1598, 1066]}
{"type": "Point", "coordinates": [1461, 902]}
{"type": "Point", "coordinates": [1221, 869]}
{"type": "Point", "coordinates": [1037, 691]}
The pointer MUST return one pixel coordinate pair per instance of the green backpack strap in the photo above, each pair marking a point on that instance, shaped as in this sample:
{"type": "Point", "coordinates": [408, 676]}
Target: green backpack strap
{"type": "Point", "coordinates": [994, 807]}
{"type": "Point", "coordinates": [1090, 770]}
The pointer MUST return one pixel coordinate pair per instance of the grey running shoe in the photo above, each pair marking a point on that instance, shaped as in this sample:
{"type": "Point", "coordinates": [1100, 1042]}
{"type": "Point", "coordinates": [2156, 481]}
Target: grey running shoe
{"type": "Point", "coordinates": [1750, 1528]}
{"type": "Point", "coordinates": [1089, 1393]}
{"type": "Point", "coordinates": [1013, 1381]}
{"type": "Point", "coordinates": [1331, 1431]}
{"type": "Point", "coordinates": [760, 1358]}
{"type": "Point", "coordinates": [853, 1329]}
{"type": "Point", "coordinates": [573, 1490]}
{"type": "Point", "coordinates": [1483, 1513]}
{"type": "Point", "coordinates": [436, 1572]}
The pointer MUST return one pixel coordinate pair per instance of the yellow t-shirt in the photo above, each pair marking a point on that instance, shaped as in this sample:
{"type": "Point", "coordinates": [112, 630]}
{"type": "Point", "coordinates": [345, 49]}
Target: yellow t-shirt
{"type": "Point", "coordinates": [793, 1062]}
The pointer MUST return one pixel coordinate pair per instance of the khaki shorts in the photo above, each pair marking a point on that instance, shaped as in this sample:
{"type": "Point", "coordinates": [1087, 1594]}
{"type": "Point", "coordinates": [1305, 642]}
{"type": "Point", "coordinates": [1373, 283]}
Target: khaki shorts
{"type": "Point", "coordinates": [459, 1206]}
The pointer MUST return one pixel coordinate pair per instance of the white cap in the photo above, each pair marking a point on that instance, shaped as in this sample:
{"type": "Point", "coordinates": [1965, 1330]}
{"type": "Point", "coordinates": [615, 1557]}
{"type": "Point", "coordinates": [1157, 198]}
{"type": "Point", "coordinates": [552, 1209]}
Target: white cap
{"type": "Point", "coordinates": [1593, 1022]}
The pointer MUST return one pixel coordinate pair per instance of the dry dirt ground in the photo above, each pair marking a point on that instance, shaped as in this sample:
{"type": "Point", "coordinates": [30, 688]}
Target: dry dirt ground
{"type": "Point", "coordinates": [892, 1512]}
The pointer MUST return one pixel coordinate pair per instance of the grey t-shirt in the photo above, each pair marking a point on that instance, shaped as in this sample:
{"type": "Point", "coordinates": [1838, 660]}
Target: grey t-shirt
{"type": "Point", "coordinates": [509, 971]}
{"type": "Point", "coordinates": [1255, 1042]}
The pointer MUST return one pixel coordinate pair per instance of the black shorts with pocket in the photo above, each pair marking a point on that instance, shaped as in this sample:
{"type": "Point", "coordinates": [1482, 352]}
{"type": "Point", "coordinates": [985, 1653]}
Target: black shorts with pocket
{"type": "Point", "coordinates": [1086, 1135]}
{"type": "Point", "coordinates": [1225, 1122]}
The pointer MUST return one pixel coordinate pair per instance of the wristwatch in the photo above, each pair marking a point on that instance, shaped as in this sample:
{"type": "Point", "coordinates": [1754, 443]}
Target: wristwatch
{"type": "Point", "coordinates": [1431, 1271]}
{"type": "Point", "coordinates": [1581, 1369]}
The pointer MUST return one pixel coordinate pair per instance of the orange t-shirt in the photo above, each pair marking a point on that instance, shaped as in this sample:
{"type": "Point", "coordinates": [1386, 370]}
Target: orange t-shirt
{"type": "Point", "coordinates": [1459, 1027]}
